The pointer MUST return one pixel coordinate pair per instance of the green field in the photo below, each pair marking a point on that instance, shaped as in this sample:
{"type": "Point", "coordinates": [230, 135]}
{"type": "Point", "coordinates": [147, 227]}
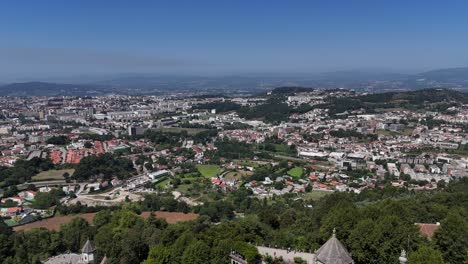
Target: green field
{"type": "Point", "coordinates": [315, 195]}
{"type": "Point", "coordinates": [183, 188]}
{"type": "Point", "coordinates": [407, 132]}
{"type": "Point", "coordinates": [52, 175]}
{"type": "Point", "coordinates": [208, 171]}
{"type": "Point", "coordinates": [296, 172]}
{"type": "Point", "coordinates": [162, 183]}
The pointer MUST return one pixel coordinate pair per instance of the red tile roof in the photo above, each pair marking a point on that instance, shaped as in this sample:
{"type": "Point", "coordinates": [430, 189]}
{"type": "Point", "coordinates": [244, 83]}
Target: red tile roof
{"type": "Point", "coordinates": [427, 230]}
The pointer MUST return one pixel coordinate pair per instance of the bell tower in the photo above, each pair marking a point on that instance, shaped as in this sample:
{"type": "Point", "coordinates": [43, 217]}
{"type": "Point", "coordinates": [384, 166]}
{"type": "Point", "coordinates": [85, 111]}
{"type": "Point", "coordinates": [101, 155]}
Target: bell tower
{"type": "Point", "coordinates": [87, 253]}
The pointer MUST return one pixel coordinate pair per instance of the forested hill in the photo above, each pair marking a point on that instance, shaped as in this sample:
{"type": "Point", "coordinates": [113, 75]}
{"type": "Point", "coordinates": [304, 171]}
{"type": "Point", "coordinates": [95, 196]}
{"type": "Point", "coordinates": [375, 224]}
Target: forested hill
{"type": "Point", "coordinates": [417, 97]}
{"type": "Point", "coordinates": [446, 75]}
{"type": "Point", "coordinates": [275, 108]}
{"type": "Point", "coordinates": [427, 99]}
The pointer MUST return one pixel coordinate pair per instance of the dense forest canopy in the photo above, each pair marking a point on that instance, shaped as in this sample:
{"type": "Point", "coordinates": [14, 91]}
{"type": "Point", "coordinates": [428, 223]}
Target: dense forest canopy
{"type": "Point", "coordinates": [104, 165]}
{"type": "Point", "coordinates": [374, 225]}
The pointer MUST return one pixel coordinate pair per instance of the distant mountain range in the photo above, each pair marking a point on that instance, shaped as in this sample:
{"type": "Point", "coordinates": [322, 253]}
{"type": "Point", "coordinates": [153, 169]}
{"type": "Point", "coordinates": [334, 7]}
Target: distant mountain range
{"type": "Point", "coordinates": [455, 78]}
{"type": "Point", "coordinates": [446, 75]}
{"type": "Point", "coordinates": [51, 89]}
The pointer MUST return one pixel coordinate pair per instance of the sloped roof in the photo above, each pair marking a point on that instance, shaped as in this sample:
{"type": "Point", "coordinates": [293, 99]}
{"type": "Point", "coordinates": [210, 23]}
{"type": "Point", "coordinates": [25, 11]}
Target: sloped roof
{"type": "Point", "coordinates": [88, 247]}
{"type": "Point", "coordinates": [333, 252]}
{"type": "Point", "coordinates": [64, 258]}
{"type": "Point", "coordinates": [104, 260]}
{"type": "Point", "coordinates": [428, 230]}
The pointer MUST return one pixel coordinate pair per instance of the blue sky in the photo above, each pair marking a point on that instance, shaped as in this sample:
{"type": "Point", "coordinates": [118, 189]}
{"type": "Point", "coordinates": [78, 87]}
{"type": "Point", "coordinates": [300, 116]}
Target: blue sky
{"type": "Point", "coordinates": [228, 37]}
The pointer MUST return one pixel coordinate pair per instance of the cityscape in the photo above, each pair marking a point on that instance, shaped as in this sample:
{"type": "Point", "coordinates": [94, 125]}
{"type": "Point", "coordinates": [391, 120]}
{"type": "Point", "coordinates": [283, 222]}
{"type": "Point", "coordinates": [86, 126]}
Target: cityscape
{"type": "Point", "coordinates": [153, 166]}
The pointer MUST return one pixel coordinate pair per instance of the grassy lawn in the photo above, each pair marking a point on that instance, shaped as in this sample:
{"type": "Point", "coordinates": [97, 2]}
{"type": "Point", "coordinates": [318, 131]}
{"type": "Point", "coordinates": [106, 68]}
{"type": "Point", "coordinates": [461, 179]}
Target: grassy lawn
{"type": "Point", "coordinates": [52, 175]}
{"type": "Point", "coordinates": [247, 163]}
{"type": "Point", "coordinates": [296, 172]}
{"type": "Point", "coordinates": [280, 149]}
{"type": "Point", "coordinates": [183, 188]}
{"type": "Point", "coordinates": [407, 132]}
{"type": "Point", "coordinates": [284, 149]}
{"type": "Point", "coordinates": [162, 183]}
{"type": "Point", "coordinates": [315, 195]}
{"type": "Point", "coordinates": [208, 171]}
{"type": "Point", "coordinates": [191, 177]}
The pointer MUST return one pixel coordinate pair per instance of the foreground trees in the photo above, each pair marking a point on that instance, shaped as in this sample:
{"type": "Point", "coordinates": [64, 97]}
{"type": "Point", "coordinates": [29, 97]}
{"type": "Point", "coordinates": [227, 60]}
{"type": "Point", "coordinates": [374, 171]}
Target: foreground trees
{"type": "Point", "coordinates": [452, 238]}
{"type": "Point", "coordinates": [374, 226]}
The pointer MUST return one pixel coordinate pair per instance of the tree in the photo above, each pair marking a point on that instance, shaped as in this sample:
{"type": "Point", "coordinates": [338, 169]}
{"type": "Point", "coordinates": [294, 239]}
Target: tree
{"type": "Point", "coordinates": [58, 140]}
{"type": "Point", "coordinates": [5, 229]}
{"type": "Point", "coordinates": [5, 242]}
{"type": "Point", "coordinates": [299, 260]}
{"type": "Point", "coordinates": [5, 245]}
{"type": "Point", "coordinates": [102, 218]}
{"type": "Point", "coordinates": [106, 165]}
{"type": "Point", "coordinates": [278, 185]}
{"type": "Point", "coordinates": [44, 200]}
{"type": "Point", "coordinates": [132, 247]}
{"type": "Point", "coordinates": [75, 234]}
{"type": "Point", "coordinates": [159, 255]}
{"type": "Point", "coordinates": [343, 217]}
{"type": "Point", "coordinates": [424, 255]}
{"type": "Point", "coordinates": [196, 253]}
{"type": "Point", "coordinates": [452, 238]}
{"type": "Point", "coordinates": [380, 240]}
{"type": "Point", "coordinates": [247, 250]}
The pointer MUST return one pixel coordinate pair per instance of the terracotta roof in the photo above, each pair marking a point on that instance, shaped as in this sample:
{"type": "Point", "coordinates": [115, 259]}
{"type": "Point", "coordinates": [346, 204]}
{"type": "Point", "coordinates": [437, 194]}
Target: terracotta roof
{"type": "Point", "coordinates": [427, 230]}
{"type": "Point", "coordinates": [13, 210]}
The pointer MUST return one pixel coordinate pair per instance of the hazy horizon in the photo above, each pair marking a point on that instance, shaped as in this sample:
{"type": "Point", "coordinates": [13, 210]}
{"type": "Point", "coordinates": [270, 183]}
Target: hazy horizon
{"type": "Point", "coordinates": [56, 39]}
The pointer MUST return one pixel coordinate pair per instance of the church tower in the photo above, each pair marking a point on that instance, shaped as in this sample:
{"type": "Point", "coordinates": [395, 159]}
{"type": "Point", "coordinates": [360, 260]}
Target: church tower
{"type": "Point", "coordinates": [332, 252]}
{"type": "Point", "coordinates": [87, 253]}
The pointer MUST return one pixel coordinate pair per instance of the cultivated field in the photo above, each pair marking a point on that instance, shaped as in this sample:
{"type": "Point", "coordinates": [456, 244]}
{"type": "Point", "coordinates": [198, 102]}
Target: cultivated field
{"type": "Point", "coordinates": [54, 223]}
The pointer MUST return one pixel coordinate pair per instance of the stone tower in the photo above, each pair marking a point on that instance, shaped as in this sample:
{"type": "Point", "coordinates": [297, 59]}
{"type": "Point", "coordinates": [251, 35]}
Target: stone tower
{"type": "Point", "coordinates": [87, 253]}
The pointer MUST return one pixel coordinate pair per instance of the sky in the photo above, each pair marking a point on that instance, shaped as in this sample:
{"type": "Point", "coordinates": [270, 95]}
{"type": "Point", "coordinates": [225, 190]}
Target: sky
{"type": "Point", "coordinates": [52, 38]}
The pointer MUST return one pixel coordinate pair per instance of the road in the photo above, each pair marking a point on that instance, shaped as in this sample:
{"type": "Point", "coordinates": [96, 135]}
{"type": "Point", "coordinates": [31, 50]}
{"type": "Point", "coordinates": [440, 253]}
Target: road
{"type": "Point", "coordinates": [288, 158]}
{"type": "Point", "coordinates": [82, 187]}
{"type": "Point", "coordinates": [140, 154]}
{"type": "Point", "coordinates": [43, 183]}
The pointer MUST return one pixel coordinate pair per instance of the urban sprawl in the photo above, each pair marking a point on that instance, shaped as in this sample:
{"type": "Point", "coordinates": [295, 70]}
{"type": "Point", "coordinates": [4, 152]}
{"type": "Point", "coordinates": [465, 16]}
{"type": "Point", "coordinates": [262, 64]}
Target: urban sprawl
{"type": "Point", "coordinates": [75, 155]}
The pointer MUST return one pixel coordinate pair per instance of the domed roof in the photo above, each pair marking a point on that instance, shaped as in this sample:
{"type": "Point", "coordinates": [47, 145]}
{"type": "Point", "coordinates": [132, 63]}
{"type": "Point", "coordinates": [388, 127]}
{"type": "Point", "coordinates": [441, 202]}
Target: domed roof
{"type": "Point", "coordinates": [333, 252]}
